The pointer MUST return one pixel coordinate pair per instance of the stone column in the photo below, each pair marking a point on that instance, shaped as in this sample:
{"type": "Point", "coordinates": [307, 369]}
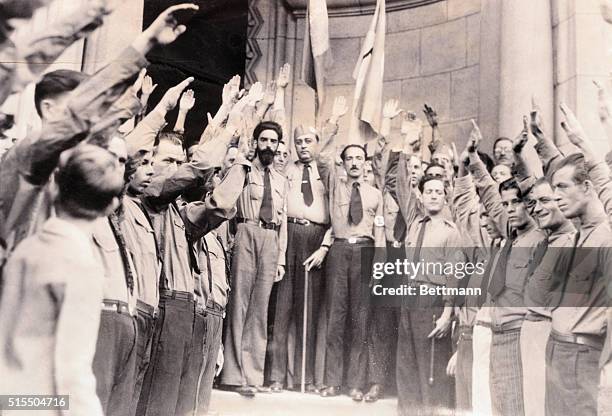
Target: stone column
{"type": "Point", "coordinates": [526, 64]}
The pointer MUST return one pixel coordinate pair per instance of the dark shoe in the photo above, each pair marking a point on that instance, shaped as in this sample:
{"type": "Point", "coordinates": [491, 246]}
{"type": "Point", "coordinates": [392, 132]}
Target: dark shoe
{"type": "Point", "coordinates": [246, 391]}
{"type": "Point", "coordinates": [356, 395]}
{"type": "Point", "coordinates": [276, 387]}
{"type": "Point", "coordinates": [375, 393]}
{"type": "Point", "coordinates": [331, 391]}
{"type": "Point", "coordinates": [312, 389]}
{"type": "Point", "coordinates": [263, 389]}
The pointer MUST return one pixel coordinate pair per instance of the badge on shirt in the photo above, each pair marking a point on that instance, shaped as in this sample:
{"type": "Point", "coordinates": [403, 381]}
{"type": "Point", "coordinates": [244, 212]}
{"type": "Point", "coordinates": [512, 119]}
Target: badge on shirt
{"type": "Point", "coordinates": [379, 221]}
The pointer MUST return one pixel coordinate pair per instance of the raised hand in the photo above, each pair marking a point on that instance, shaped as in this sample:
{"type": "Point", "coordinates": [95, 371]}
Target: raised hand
{"type": "Point", "coordinates": [391, 109]}
{"type": "Point", "coordinates": [147, 86]}
{"type": "Point", "coordinates": [255, 94]}
{"type": "Point", "coordinates": [521, 140]}
{"type": "Point", "coordinates": [603, 103]}
{"type": "Point", "coordinates": [270, 93]}
{"type": "Point", "coordinates": [230, 91]}
{"type": "Point", "coordinates": [283, 76]}
{"type": "Point", "coordinates": [166, 28]}
{"type": "Point", "coordinates": [475, 138]}
{"type": "Point", "coordinates": [573, 128]}
{"type": "Point", "coordinates": [412, 130]}
{"type": "Point", "coordinates": [139, 81]}
{"type": "Point", "coordinates": [171, 97]}
{"type": "Point", "coordinates": [536, 124]}
{"type": "Point", "coordinates": [432, 116]}
{"type": "Point", "coordinates": [187, 101]}
{"type": "Point", "coordinates": [339, 108]}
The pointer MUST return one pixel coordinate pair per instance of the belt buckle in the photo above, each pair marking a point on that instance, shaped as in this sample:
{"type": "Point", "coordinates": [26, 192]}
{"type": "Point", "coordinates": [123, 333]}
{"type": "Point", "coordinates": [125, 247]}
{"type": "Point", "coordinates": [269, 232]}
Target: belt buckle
{"type": "Point", "coordinates": [397, 244]}
{"type": "Point", "coordinates": [305, 222]}
{"type": "Point", "coordinates": [352, 240]}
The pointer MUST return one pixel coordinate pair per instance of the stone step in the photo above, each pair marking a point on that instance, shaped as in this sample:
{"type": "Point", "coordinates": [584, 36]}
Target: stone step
{"type": "Point", "coordinates": [288, 403]}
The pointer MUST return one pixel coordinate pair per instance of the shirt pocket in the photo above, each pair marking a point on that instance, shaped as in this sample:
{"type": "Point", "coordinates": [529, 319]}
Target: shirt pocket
{"type": "Point", "coordinates": [179, 233]}
{"type": "Point", "coordinates": [146, 231]}
{"type": "Point", "coordinates": [107, 244]}
{"type": "Point", "coordinates": [516, 271]}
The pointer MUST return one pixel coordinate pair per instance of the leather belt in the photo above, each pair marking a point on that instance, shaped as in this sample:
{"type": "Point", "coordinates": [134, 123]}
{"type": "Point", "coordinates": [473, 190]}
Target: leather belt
{"type": "Point", "coordinates": [396, 244]}
{"type": "Point", "coordinates": [304, 222]}
{"type": "Point", "coordinates": [176, 294]}
{"type": "Point", "coordinates": [214, 308]}
{"type": "Point", "coordinates": [508, 326]}
{"type": "Point", "coordinates": [354, 240]}
{"type": "Point", "coordinates": [534, 317]}
{"type": "Point", "coordinates": [465, 333]}
{"type": "Point", "coordinates": [146, 308]}
{"type": "Point", "coordinates": [593, 341]}
{"type": "Point", "coordinates": [260, 224]}
{"type": "Point", "coordinates": [485, 324]}
{"type": "Point", "coordinates": [200, 310]}
{"type": "Point", "coordinates": [118, 306]}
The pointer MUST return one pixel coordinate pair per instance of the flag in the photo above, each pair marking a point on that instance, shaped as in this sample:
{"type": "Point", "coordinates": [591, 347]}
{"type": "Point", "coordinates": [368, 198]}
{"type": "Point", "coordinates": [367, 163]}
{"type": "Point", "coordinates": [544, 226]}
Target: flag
{"type": "Point", "coordinates": [316, 55]}
{"type": "Point", "coordinates": [367, 100]}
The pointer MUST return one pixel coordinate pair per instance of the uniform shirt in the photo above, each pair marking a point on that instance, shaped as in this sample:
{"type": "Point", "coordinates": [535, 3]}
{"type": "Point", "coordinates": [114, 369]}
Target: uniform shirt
{"type": "Point", "coordinates": [49, 317]}
{"type": "Point", "coordinates": [318, 211]}
{"type": "Point", "coordinates": [216, 254]}
{"type": "Point", "coordinates": [26, 168]}
{"type": "Point", "coordinates": [251, 199]}
{"type": "Point", "coordinates": [442, 243]}
{"type": "Point", "coordinates": [194, 219]}
{"type": "Point", "coordinates": [540, 283]}
{"type": "Point", "coordinates": [340, 198]}
{"type": "Point", "coordinates": [108, 253]}
{"type": "Point", "coordinates": [140, 242]}
{"type": "Point", "coordinates": [582, 309]}
{"type": "Point", "coordinates": [510, 306]}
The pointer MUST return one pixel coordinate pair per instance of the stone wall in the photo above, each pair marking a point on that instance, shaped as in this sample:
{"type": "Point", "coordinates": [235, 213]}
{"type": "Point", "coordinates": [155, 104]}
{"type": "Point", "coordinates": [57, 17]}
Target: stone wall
{"type": "Point", "coordinates": [432, 56]}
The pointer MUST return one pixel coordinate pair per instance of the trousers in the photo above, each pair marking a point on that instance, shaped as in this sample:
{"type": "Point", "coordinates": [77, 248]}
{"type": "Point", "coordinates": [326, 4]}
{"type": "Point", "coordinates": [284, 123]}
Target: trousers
{"type": "Point", "coordinates": [212, 345]}
{"type": "Point", "coordinates": [534, 336]}
{"type": "Point", "coordinates": [506, 373]}
{"type": "Point", "coordinates": [481, 390]}
{"type": "Point", "coordinates": [145, 324]}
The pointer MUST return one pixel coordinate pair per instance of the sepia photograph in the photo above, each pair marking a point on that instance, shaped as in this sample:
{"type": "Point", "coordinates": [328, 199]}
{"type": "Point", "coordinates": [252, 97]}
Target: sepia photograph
{"type": "Point", "coordinates": [306, 207]}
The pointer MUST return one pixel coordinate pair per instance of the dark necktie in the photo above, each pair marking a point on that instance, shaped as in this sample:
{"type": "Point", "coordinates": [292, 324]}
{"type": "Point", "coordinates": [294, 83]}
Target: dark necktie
{"type": "Point", "coordinates": [113, 220]}
{"type": "Point", "coordinates": [306, 186]}
{"type": "Point", "coordinates": [265, 212]}
{"type": "Point", "coordinates": [355, 206]}
{"type": "Point", "coordinates": [485, 278]}
{"type": "Point", "coordinates": [420, 238]}
{"type": "Point", "coordinates": [208, 268]}
{"type": "Point", "coordinates": [498, 280]}
{"type": "Point", "coordinates": [399, 228]}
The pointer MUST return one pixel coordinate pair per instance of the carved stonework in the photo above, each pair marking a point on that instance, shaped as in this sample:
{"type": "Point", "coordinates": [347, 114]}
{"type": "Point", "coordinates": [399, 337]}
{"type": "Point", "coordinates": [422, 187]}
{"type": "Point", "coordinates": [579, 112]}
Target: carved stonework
{"type": "Point", "coordinates": [253, 51]}
{"type": "Point", "coordinates": [356, 7]}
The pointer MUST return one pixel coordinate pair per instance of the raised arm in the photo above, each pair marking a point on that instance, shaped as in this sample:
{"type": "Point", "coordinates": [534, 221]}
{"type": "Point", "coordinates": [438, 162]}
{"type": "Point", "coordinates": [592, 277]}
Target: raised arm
{"type": "Point", "coordinates": [185, 105]}
{"type": "Point", "coordinates": [489, 194]}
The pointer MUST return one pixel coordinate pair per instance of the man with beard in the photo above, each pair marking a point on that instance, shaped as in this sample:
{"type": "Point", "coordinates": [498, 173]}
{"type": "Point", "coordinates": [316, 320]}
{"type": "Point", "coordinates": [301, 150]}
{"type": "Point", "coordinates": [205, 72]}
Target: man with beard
{"type": "Point", "coordinates": [258, 261]}
{"type": "Point", "coordinates": [356, 210]}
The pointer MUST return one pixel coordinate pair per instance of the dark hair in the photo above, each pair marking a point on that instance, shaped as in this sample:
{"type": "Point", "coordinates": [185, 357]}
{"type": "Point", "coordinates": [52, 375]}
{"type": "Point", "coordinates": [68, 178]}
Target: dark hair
{"type": "Point", "coordinates": [428, 178]}
{"type": "Point", "coordinates": [510, 184]}
{"type": "Point", "coordinates": [55, 83]}
{"type": "Point", "coordinates": [343, 154]}
{"type": "Point", "coordinates": [134, 162]}
{"type": "Point", "coordinates": [268, 125]}
{"type": "Point", "coordinates": [434, 165]}
{"type": "Point", "coordinates": [499, 139]}
{"type": "Point", "coordinates": [575, 160]}
{"type": "Point", "coordinates": [169, 136]}
{"type": "Point", "coordinates": [88, 179]}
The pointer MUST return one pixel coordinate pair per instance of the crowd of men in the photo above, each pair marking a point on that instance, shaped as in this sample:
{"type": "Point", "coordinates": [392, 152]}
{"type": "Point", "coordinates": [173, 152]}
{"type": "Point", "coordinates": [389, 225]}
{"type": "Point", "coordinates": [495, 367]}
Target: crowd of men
{"type": "Point", "coordinates": [136, 271]}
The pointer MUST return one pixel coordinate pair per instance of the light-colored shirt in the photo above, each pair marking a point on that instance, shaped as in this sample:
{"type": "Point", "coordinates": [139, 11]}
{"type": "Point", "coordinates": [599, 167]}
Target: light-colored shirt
{"type": "Point", "coordinates": [250, 201]}
{"type": "Point", "coordinates": [318, 211]}
{"type": "Point", "coordinates": [216, 254]}
{"type": "Point", "coordinates": [140, 242]}
{"type": "Point", "coordinates": [372, 203]}
{"type": "Point", "coordinates": [510, 306]}
{"type": "Point", "coordinates": [49, 317]}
